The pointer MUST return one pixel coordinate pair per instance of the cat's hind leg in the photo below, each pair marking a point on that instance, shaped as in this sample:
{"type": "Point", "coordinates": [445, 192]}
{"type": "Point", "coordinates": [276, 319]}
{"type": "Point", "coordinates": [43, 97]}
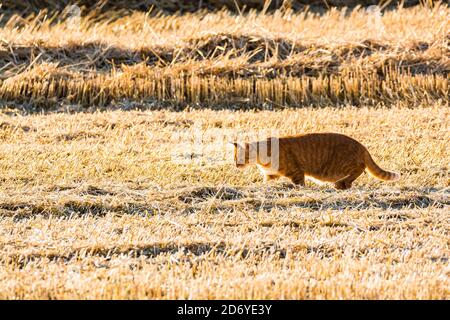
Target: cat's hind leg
{"type": "Point", "coordinates": [297, 178]}
{"type": "Point", "coordinates": [346, 182]}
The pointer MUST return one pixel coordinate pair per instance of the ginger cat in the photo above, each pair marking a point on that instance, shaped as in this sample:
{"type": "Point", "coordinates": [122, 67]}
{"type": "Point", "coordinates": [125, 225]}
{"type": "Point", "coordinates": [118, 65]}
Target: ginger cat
{"type": "Point", "coordinates": [328, 157]}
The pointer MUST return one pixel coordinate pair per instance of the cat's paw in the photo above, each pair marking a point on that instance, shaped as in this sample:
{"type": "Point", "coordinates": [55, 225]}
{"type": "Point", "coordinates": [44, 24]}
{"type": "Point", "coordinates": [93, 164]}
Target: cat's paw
{"type": "Point", "coordinates": [342, 185]}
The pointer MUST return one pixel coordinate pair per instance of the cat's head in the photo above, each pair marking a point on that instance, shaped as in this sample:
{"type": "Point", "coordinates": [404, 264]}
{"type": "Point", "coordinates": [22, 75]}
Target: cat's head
{"type": "Point", "coordinates": [241, 154]}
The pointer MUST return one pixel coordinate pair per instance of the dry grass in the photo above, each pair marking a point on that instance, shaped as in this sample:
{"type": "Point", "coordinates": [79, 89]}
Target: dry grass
{"type": "Point", "coordinates": [174, 6]}
{"type": "Point", "coordinates": [94, 205]}
{"type": "Point", "coordinates": [91, 206]}
{"type": "Point", "coordinates": [223, 59]}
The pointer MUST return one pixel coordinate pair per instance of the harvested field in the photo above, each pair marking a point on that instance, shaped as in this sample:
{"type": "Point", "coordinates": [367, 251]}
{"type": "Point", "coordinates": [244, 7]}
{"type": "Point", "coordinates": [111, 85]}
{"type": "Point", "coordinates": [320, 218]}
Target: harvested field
{"type": "Point", "coordinates": [94, 206]}
{"type": "Point", "coordinates": [116, 180]}
{"type": "Point", "coordinates": [224, 60]}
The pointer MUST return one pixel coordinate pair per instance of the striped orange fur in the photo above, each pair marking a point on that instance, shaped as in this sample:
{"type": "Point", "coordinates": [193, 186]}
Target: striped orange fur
{"type": "Point", "coordinates": [327, 157]}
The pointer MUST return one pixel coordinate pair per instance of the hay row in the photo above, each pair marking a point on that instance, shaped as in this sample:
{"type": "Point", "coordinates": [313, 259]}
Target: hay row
{"type": "Point", "coordinates": [46, 84]}
{"type": "Point", "coordinates": [243, 56]}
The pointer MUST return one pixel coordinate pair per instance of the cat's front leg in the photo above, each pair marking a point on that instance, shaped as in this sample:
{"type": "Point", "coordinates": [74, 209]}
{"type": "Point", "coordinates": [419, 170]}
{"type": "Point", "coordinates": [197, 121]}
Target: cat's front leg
{"type": "Point", "coordinates": [268, 177]}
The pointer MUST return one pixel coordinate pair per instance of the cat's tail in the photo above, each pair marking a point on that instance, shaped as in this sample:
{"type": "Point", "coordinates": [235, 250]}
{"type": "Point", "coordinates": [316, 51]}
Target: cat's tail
{"type": "Point", "coordinates": [377, 172]}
